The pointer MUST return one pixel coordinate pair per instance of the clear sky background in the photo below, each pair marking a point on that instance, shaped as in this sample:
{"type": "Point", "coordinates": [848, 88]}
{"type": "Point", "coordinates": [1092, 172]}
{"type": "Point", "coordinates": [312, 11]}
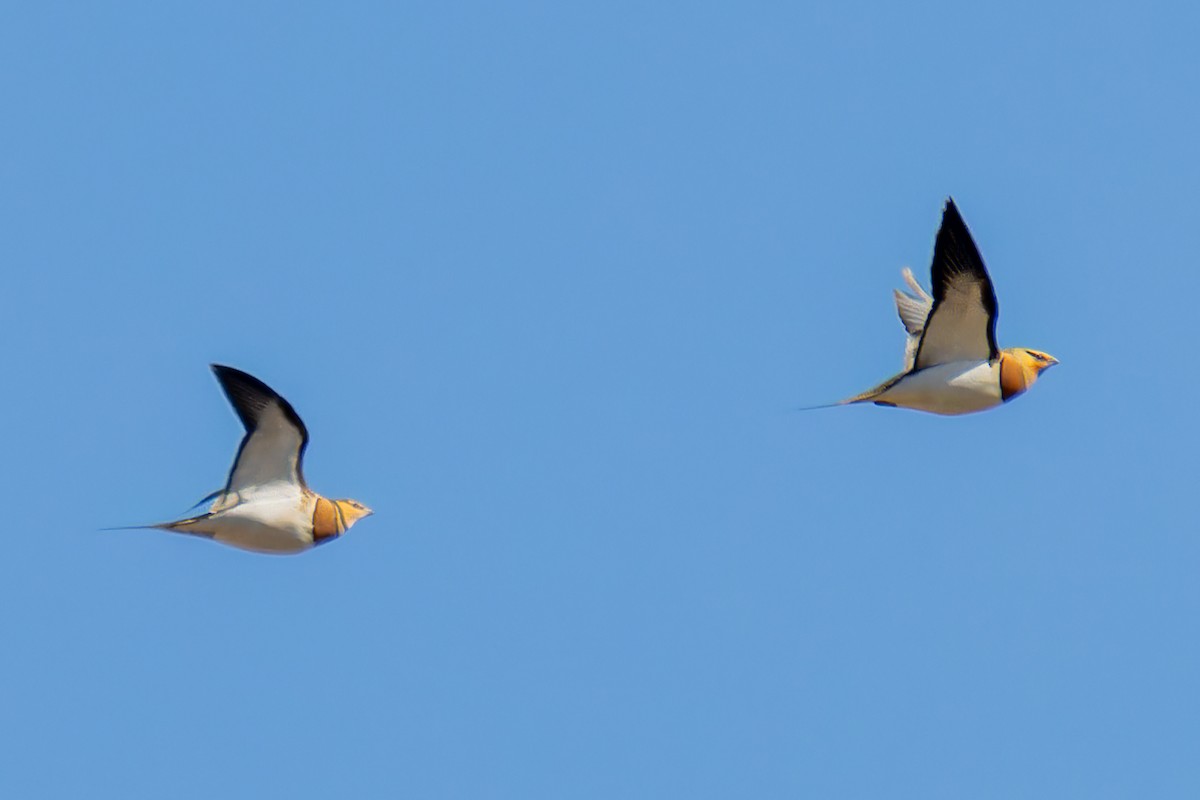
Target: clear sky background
{"type": "Point", "coordinates": [546, 282]}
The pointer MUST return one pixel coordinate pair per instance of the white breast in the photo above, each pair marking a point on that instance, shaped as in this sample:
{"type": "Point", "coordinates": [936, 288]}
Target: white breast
{"type": "Point", "coordinates": [960, 387]}
{"type": "Point", "coordinates": [267, 523]}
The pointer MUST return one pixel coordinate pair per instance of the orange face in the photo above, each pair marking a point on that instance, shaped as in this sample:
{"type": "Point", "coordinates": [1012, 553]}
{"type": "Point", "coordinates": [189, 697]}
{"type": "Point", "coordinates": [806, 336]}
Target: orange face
{"type": "Point", "coordinates": [1020, 367]}
{"type": "Point", "coordinates": [351, 511]}
{"type": "Point", "coordinates": [1037, 360]}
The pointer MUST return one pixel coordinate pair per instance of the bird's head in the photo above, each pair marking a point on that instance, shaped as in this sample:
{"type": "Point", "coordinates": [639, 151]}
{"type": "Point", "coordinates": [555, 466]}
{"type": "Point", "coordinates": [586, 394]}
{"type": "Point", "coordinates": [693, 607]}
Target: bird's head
{"type": "Point", "coordinates": [1035, 360]}
{"type": "Point", "coordinates": [1020, 367]}
{"type": "Point", "coordinates": [352, 511]}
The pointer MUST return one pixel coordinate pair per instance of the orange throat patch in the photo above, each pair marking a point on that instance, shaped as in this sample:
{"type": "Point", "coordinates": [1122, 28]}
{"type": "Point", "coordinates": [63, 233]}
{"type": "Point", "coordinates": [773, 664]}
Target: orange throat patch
{"type": "Point", "coordinates": [1012, 377]}
{"type": "Point", "coordinates": [326, 521]}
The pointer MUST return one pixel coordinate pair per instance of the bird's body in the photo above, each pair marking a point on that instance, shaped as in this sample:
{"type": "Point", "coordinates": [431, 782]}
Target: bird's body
{"type": "Point", "coordinates": [279, 521]}
{"type": "Point", "coordinates": [960, 387]}
{"type": "Point", "coordinates": [266, 507]}
{"type": "Point", "coordinates": [951, 362]}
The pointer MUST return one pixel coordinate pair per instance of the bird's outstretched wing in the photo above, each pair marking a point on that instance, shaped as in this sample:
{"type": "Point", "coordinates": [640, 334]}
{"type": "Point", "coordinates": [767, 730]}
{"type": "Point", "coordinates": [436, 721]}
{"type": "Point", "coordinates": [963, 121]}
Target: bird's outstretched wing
{"type": "Point", "coordinates": [962, 323]}
{"type": "Point", "coordinates": [913, 310]}
{"type": "Point", "coordinates": [272, 451]}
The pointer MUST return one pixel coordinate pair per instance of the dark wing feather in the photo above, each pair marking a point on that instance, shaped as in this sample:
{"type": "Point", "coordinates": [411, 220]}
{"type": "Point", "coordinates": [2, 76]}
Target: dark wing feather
{"type": "Point", "coordinates": [962, 324]}
{"type": "Point", "coordinates": [273, 448]}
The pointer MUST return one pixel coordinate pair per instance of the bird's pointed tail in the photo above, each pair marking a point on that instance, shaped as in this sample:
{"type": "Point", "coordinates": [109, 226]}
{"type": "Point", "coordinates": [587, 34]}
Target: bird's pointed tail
{"type": "Point", "coordinates": [822, 405]}
{"type": "Point", "coordinates": [175, 525]}
{"type": "Point", "coordinates": [865, 397]}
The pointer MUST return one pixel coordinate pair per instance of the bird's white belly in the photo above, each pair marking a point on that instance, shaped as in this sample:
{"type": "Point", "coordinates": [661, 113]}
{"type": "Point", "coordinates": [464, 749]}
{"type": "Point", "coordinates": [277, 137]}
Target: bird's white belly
{"type": "Point", "coordinates": [960, 387]}
{"type": "Point", "coordinates": [265, 526]}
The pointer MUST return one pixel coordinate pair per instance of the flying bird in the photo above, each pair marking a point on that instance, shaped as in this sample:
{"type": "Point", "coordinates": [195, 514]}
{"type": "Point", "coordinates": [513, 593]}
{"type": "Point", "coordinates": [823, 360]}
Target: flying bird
{"type": "Point", "coordinates": [266, 506]}
{"type": "Point", "coordinates": [951, 362]}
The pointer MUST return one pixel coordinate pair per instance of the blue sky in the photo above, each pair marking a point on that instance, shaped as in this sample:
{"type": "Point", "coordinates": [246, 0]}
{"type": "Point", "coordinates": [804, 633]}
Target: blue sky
{"type": "Point", "coordinates": [546, 282]}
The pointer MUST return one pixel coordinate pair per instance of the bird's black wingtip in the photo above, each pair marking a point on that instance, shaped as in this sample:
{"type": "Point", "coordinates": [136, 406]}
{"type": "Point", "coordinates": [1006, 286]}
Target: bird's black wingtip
{"type": "Point", "coordinates": [247, 393]}
{"type": "Point", "coordinates": [232, 376]}
{"type": "Point", "coordinates": [952, 219]}
{"type": "Point", "coordinates": [221, 369]}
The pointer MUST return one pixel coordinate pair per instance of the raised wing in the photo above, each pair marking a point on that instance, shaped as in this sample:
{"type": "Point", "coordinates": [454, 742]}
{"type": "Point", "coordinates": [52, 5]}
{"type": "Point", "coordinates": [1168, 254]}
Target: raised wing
{"type": "Point", "coordinates": [913, 310]}
{"type": "Point", "coordinates": [962, 324]}
{"type": "Point", "coordinates": [273, 449]}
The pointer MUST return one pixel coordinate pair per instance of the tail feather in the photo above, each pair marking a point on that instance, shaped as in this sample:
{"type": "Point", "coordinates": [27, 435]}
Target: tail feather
{"type": "Point", "coordinates": [176, 525]}
{"type": "Point", "coordinates": [865, 397]}
{"type": "Point", "coordinates": [869, 396]}
{"type": "Point", "coordinates": [822, 405]}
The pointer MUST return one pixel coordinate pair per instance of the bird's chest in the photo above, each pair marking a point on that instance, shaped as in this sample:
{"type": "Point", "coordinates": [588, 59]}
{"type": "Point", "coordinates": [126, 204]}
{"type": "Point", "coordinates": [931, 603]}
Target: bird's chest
{"type": "Point", "coordinates": [285, 514]}
{"type": "Point", "coordinates": [954, 388]}
{"type": "Point", "coordinates": [280, 525]}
